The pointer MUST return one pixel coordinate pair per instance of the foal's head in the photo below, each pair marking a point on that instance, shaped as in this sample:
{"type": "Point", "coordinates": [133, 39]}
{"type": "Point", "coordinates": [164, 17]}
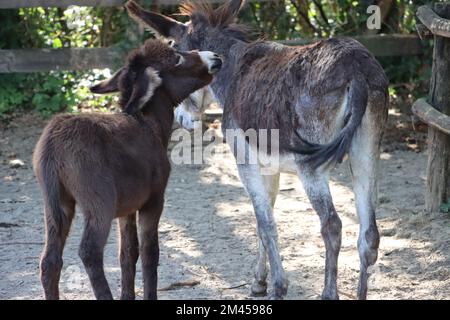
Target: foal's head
{"type": "Point", "coordinates": [157, 68]}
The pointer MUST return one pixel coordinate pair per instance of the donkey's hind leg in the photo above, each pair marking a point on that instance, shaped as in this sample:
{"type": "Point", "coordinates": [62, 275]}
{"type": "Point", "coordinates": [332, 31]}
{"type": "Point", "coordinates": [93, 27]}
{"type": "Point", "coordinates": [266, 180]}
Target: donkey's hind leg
{"type": "Point", "coordinates": [317, 189]}
{"type": "Point", "coordinates": [259, 285]}
{"type": "Point", "coordinates": [98, 218]}
{"type": "Point", "coordinates": [364, 155]}
{"type": "Point", "coordinates": [149, 245]}
{"type": "Point", "coordinates": [56, 234]}
{"type": "Point", "coordinates": [128, 254]}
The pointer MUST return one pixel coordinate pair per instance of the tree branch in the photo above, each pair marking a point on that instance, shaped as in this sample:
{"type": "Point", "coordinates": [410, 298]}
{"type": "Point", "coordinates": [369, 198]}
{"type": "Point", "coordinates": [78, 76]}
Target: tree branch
{"type": "Point", "coordinates": [304, 16]}
{"type": "Point", "coordinates": [321, 11]}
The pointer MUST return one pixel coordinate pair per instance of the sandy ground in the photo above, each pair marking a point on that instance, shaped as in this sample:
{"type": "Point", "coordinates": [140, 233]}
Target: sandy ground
{"type": "Point", "coordinates": [208, 238]}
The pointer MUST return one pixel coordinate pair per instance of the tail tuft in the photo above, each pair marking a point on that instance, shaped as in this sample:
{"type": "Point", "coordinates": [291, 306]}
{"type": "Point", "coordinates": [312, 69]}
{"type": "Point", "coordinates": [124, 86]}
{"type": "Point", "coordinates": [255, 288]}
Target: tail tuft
{"type": "Point", "coordinates": [48, 178]}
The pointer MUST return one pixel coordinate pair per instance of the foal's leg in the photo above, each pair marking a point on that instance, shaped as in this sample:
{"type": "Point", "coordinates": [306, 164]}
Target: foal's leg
{"type": "Point", "coordinates": [259, 285]}
{"type": "Point", "coordinates": [317, 189]}
{"type": "Point", "coordinates": [98, 218]}
{"type": "Point", "coordinates": [56, 234]}
{"type": "Point", "coordinates": [254, 183]}
{"type": "Point", "coordinates": [128, 254]}
{"type": "Point", "coordinates": [364, 155]}
{"type": "Point", "coordinates": [149, 246]}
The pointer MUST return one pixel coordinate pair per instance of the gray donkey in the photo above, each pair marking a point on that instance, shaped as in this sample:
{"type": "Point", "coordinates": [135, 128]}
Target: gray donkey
{"type": "Point", "coordinates": [327, 100]}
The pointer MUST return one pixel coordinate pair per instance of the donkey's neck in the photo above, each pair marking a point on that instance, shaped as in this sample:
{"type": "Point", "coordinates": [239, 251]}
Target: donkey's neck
{"type": "Point", "coordinates": [159, 111]}
{"type": "Point", "coordinates": [221, 83]}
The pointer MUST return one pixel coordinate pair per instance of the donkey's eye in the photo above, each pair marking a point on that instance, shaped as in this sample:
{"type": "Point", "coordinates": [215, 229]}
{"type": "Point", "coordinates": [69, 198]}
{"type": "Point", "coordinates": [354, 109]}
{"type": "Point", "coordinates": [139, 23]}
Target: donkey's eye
{"type": "Point", "coordinates": [180, 60]}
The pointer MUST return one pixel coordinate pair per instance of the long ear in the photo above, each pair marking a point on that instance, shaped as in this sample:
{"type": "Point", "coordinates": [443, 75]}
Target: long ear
{"type": "Point", "coordinates": [233, 6]}
{"type": "Point", "coordinates": [109, 85]}
{"type": "Point", "coordinates": [157, 23]}
{"type": "Point", "coordinates": [143, 90]}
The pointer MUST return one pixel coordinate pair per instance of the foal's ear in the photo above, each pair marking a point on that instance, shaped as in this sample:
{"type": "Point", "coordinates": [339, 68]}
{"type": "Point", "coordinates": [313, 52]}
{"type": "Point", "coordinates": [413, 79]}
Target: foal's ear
{"type": "Point", "coordinates": [157, 23]}
{"type": "Point", "coordinates": [109, 85]}
{"type": "Point", "coordinates": [143, 89]}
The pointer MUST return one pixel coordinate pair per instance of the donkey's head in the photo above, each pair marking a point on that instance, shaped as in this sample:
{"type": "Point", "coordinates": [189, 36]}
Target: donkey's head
{"type": "Point", "coordinates": [157, 68]}
{"type": "Point", "coordinates": [208, 28]}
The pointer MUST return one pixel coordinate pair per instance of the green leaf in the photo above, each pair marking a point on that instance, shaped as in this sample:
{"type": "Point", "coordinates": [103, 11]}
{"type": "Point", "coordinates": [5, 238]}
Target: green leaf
{"type": "Point", "coordinates": [57, 43]}
{"type": "Point", "coordinates": [55, 103]}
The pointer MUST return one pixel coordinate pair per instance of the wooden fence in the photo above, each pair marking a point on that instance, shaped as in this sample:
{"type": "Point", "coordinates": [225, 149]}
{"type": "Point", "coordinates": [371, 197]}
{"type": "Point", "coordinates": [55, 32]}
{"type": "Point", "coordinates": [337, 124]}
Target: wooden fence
{"type": "Point", "coordinates": [437, 113]}
{"type": "Point", "coordinates": [33, 60]}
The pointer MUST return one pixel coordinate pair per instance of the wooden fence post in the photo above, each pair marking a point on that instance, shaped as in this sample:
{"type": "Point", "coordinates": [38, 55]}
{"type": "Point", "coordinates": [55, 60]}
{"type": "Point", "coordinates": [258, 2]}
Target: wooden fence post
{"type": "Point", "coordinates": [439, 142]}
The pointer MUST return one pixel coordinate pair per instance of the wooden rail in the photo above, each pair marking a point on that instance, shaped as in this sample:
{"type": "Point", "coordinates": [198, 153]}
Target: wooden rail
{"type": "Point", "coordinates": [437, 25]}
{"type": "Point", "coordinates": [431, 116]}
{"type": "Point", "coordinates": [384, 45]}
{"type": "Point", "coordinates": [33, 60]}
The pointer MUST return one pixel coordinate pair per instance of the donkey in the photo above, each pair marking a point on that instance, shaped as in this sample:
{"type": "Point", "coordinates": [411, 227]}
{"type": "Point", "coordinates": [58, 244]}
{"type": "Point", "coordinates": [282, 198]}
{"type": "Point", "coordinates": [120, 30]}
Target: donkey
{"type": "Point", "coordinates": [188, 114]}
{"type": "Point", "coordinates": [112, 165]}
{"type": "Point", "coordinates": [328, 100]}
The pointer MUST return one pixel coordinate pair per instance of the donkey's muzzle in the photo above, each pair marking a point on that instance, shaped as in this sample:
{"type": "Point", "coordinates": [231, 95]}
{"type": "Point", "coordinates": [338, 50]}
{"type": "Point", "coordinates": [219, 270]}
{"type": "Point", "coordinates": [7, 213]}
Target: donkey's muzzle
{"type": "Point", "coordinates": [211, 60]}
{"type": "Point", "coordinates": [216, 65]}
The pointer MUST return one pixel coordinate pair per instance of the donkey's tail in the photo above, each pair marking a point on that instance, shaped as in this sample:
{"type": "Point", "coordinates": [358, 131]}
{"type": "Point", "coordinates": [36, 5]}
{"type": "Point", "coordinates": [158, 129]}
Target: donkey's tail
{"type": "Point", "coordinates": [46, 170]}
{"type": "Point", "coordinates": [332, 153]}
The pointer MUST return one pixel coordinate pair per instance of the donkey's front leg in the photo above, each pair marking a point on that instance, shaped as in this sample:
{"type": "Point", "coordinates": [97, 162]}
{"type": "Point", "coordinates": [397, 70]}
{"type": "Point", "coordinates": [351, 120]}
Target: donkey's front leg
{"type": "Point", "coordinates": [257, 189]}
{"type": "Point", "coordinates": [259, 285]}
{"type": "Point", "coordinates": [317, 189]}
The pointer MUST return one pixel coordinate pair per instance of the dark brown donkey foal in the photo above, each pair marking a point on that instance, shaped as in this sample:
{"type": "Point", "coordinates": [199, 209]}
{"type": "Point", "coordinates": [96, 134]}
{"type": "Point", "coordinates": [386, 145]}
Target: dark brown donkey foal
{"type": "Point", "coordinates": [112, 165]}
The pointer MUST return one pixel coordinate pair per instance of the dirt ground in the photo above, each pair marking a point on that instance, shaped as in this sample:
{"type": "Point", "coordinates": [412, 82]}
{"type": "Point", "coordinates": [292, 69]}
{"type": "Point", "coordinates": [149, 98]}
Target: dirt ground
{"type": "Point", "coordinates": [207, 233]}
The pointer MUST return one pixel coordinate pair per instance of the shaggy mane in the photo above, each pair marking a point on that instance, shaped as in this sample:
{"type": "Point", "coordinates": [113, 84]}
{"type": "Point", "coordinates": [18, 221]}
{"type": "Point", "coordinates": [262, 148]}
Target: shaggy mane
{"type": "Point", "coordinates": [222, 17]}
{"type": "Point", "coordinates": [154, 52]}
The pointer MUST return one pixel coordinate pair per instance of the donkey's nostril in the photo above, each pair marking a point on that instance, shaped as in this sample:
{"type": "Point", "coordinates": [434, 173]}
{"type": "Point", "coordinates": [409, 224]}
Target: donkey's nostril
{"type": "Point", "coordinates": [216, 65]}
{"type": "Point", "coordinates": [211, 60]}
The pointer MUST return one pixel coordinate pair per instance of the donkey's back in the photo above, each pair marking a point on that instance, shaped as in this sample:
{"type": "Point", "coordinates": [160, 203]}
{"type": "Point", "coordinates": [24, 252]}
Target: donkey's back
{"type": "Point", "coordinates": [111, 159]}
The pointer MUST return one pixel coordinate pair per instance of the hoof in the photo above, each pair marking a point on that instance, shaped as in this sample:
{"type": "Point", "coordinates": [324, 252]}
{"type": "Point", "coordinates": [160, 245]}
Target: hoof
{"type": "Point", "coordinates": [330, 296]}
{"type": "Point", "coordinates": [362, 296]}
{"type": "Point", "coordinates": [127, 297]}
{"type": "Point", "coordinates": [279, 290]}
{"type": "Point", "coordinates": [259, 288]}
{"type": "Point", "coordinates": [275, 297]}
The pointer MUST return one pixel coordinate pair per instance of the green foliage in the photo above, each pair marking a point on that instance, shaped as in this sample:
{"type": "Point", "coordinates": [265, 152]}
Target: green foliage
{"type": "Point", "coordinates": [52, 92]}
{"type": "Point", "coordinates": [323, 18]}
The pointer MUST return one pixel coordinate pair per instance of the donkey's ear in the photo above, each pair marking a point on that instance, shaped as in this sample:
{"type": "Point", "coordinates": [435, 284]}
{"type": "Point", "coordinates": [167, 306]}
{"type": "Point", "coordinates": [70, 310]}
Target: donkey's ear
{"type": "Point", "coordinates": [143, 89]}
{"type": "Point", "coordinates": [157, 23]}
{"type": "Point", "coordinates": [109, 85]}
{"type": "Point", "coordinates": [234, 6]}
